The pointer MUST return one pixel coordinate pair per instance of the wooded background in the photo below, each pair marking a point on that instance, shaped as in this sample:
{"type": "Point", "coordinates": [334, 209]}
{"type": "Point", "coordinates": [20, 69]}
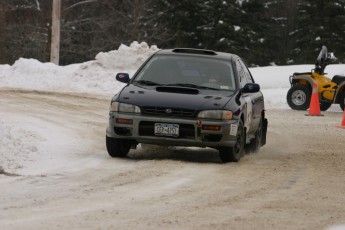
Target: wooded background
{"type": "Point", "coordinates": [263, 32]}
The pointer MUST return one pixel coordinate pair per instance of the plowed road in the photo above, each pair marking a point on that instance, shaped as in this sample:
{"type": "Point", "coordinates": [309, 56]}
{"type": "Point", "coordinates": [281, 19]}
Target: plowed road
{"type": "Point", "coordinates": [296, 181]}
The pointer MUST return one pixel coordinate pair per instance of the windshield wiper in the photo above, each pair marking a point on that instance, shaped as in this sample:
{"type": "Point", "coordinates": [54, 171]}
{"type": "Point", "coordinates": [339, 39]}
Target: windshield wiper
{"type": "Point", "coordinates": [146, 82]}
{"type": "Point", "coordinates": [192, 86]}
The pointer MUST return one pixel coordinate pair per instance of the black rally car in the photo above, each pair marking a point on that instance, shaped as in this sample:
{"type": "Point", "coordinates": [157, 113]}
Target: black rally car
{"type": "Point", "coordinates": [188, 97]}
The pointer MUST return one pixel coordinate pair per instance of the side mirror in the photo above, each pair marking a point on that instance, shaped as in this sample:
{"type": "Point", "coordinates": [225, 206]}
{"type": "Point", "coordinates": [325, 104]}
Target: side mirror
{"type": "Point", "coordinates": [123, 77]}
{"type": "Point", "coordinates": [251, 88]}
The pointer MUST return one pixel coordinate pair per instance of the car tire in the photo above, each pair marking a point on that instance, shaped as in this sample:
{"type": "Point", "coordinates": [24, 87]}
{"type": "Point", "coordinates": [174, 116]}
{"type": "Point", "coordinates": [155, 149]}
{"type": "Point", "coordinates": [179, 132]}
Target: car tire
{"type": "Point", "coordinates": [255, 143]}
{"type": "Point", "coordinates": [325, 105]}
{"type": "Point", "coordinates": [234, 153]}
{"type": "Point", "coordinates": [342, 101]}
{"type": "Point", "coordinates": [298, 97]}
{"type": "Point", "coordinates": [117, 147]}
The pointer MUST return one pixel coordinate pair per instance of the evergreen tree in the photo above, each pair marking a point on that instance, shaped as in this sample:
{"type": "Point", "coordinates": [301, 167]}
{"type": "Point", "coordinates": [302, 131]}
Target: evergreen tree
{"type": "Point", "coordinates": [320, 22]}
{"type": "Point", "coordinates": [220, 30]}
{"type": "Point", "coordinates": [211, 24]}
{"type": "Point", "coordinates": [281, 17]}
{"type": "Point", "coordinates": [254, 32]}
{"type": "Point", "coordinates": [180, 20]}
{"type": "Point", "coordinates": [335, 28]}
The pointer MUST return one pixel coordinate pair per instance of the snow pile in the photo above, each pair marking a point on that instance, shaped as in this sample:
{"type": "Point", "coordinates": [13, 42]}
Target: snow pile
{"type": "Point", "coordinates": [18, 147]}
{"type": "Point", "coordinates": [126, 57]}
{"type": "Point", "coordinates": [93, 77]}
{"type": "Point", "coordinates": [32, 74]}
{"type": "Point", "coordinates": [96, 77]}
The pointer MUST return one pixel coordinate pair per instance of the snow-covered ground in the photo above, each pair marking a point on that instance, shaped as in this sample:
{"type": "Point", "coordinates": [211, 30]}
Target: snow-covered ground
{"type": "Point", "coordinates": [30, 145]}
{"type": "Point", "coordinates": [96, 78]}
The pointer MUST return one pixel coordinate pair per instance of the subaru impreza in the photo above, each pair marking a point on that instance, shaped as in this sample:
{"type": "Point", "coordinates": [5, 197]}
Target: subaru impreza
{"type": "Point", "coordinates": [189, 97]}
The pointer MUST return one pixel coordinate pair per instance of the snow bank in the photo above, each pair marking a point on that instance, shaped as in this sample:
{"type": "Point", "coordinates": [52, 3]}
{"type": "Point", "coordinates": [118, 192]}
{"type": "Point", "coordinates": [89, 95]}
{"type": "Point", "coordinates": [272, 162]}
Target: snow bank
{"type": "Point", "coordinates": [126, 58]}
{"type": "Point", "coordinates": [93, 77]}
{"type": "Point", "coordinates": [97, 76]}
{"type": "Point", "coordinates": [22, 147]}
{"type": "Point", "coordinates": [18, 147]}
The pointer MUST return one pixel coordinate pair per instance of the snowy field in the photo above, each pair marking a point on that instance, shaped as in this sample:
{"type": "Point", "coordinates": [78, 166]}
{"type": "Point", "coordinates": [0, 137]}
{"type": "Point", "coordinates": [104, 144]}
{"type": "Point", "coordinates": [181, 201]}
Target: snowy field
{"type": "Point", "coordinates": [97, 78]}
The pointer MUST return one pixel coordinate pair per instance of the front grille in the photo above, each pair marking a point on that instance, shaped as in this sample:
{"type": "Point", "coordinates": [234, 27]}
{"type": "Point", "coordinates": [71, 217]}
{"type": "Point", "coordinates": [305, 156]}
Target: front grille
{"type": "Point", "coordinates": [166, 111]}
{"type": "Point", "coordinates": [186, 131]}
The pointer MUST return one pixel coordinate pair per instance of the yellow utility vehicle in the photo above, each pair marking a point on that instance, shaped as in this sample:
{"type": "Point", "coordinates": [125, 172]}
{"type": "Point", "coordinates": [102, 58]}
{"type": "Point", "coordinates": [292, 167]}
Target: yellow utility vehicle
{"type": "Point", "coordinates": [331, 91]}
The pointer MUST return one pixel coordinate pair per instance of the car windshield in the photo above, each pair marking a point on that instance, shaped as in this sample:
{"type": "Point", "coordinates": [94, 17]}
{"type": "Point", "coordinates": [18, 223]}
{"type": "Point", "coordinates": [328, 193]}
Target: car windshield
{"type": "Point", "coordinates": [187, 71]}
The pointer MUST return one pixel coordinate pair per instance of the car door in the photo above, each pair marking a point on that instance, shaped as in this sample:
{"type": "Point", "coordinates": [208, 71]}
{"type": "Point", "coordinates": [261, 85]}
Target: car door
{"type": "Point", "coordinates": [257, 100]}
{"type": "Point", "coordinates": [254, 101]}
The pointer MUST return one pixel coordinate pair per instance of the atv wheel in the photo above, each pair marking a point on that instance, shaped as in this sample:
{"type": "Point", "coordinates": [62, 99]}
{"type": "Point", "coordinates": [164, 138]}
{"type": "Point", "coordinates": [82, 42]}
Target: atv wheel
{"type": "Point", "coordinates": [325, 105]}
{"type": "Point", "coordinates": [117, 147]}
{"type": "Point", "coordinates": [234, 153]}
{"type": "Point", "coordinates": [342, 101]}
{"type": "Point", "coordinates": [298, 97]}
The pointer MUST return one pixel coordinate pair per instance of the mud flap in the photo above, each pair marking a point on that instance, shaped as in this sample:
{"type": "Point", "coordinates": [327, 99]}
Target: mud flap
{"type": "Point", "coordinates": [264, 132]}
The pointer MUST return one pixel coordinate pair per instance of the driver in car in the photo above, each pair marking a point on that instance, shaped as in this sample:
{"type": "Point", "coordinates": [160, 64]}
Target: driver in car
{"type": "Point", "coordinates": [217, 81]}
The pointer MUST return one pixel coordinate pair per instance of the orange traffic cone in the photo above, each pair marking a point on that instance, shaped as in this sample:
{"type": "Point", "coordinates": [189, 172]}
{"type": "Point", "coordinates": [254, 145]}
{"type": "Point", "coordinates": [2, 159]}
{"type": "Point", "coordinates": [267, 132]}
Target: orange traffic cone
{"type": "Point", "coordinates": [314, 108]}
{"type": "Point", "coordinates": [343, 122]}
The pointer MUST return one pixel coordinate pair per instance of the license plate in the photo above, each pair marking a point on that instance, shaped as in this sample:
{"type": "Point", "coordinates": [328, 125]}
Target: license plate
{"type": "Point", "coordinates": [162, 129]}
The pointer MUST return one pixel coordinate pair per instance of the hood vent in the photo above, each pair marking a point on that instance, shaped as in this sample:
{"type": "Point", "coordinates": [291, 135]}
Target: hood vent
{"type": "Point", "coordinates": [183, 90]}
{"type": "Point", "coordinates": [215, 98]}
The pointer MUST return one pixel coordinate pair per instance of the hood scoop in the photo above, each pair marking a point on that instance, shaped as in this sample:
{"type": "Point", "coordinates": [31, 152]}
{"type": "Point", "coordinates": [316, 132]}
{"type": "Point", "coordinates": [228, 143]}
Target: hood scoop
{"type": "Point", "coordinates": [174, 89]}
{"type": "Point", "coordinates": [214, 98]}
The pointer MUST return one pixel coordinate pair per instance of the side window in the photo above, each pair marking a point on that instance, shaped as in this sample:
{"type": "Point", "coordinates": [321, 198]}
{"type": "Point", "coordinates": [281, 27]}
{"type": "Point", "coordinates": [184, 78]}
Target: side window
{"type": "Point", "coordinates": [248, 76]}
{"type": "Point", "coordinates": [241, 73]}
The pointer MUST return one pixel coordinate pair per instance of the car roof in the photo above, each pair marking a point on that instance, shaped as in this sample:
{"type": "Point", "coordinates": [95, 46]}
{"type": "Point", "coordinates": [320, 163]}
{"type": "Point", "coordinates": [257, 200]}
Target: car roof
{"type": "Point", "coordinates": [198, 52]}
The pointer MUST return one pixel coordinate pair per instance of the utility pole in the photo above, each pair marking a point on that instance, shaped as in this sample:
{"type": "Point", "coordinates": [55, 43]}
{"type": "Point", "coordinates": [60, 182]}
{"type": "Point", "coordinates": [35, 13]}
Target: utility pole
{"type": "Point", "coordinates": [55, 42]}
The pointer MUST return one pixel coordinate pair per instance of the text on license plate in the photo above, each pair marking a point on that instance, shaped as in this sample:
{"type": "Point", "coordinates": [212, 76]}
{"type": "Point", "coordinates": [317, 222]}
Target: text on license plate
{"type": "Point", "coordinates": [163, 129]}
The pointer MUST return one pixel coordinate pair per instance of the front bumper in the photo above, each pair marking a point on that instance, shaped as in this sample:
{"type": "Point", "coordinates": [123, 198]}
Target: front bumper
{"type": "Point", "coordinates": [192, 131]}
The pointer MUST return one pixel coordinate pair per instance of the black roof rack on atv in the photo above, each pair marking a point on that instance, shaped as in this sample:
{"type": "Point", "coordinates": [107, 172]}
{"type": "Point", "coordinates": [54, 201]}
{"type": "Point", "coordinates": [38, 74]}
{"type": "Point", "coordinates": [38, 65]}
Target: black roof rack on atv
{"type": "Point", "coordinates": [194, 51]}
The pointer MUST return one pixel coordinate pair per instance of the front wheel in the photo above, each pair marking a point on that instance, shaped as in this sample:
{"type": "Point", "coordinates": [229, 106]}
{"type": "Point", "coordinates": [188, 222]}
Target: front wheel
{"type": "Point", "coordinates": [117, 147]}
{"type": "Point", "coordinates": [342, 101]}
{"type": "Point", "coordinates": [298, 97]}
{"type": "Point", "coordinates": [325, 105]}
{"type": "Point", "coordinates": [255, 143]}
{"type": "Point", "coordinates": [234, 153]}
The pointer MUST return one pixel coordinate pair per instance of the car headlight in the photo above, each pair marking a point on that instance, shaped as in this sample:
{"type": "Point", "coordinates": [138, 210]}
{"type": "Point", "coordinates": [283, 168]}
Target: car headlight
{"type": "Point", "coordinates": [216, 114]}
{"type": "Point", "coordinates": [123, 107]}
